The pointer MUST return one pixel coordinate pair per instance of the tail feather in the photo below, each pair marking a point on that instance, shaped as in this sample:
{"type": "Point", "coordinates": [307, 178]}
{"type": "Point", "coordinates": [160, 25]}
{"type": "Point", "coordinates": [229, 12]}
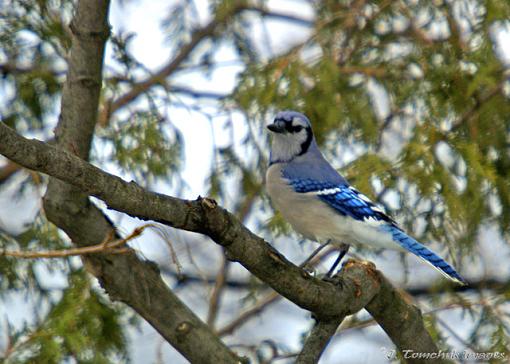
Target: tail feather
{"type": "Point", "coordinates": [426, 254]}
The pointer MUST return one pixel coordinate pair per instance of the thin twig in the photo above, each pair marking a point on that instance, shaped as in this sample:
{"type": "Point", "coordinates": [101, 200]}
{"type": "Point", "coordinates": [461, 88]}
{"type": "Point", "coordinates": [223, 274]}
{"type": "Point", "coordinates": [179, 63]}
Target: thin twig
{"type": "Point", "coordinates": [455, 335]}
{"type": "Point", "coordinates": [472, 112]}
{"type": "Point", "coordinates": [214, 301]}
{"type": "Point", "coordinates": [163, 232]}
{"type": "Point", "coordinates": [107, 246]}
{"type": "Point", "coordinates": [159, 77]}
{"type": "Point", "coordinates": [281, 16]}
{"type": "Point", "coordinates": [246, 315]}
{"type": "Point", "coordinates": [222, 275]}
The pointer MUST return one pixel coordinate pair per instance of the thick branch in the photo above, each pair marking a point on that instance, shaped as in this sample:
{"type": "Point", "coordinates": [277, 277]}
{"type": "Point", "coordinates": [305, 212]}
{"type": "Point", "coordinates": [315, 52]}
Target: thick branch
{"type": "Point", "coordinates": [360, 282]}
{"type": "Point", "coordinates": [405, 326]}
{"type": "Point", "coordinates": [201, 216]}
{"type": "Point", "coordinates": [125, 277]}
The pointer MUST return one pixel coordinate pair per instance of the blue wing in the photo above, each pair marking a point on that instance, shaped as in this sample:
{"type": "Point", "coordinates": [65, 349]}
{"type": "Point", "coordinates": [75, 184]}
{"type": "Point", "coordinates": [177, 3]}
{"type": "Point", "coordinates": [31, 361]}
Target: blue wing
{"type": "Point", "coordinates": [348, 201]}
{"type": "Point", "coordinates": [344, 199]}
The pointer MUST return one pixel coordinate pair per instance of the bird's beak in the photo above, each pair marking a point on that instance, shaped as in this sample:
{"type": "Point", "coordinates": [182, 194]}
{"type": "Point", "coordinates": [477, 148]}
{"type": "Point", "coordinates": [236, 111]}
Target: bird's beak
{"type": "Point", "coordinates": [277, 127]}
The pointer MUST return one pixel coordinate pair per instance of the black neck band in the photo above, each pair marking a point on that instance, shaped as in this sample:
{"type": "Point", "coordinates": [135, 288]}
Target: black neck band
{"type": "Point", "coordinates": [306, 144]}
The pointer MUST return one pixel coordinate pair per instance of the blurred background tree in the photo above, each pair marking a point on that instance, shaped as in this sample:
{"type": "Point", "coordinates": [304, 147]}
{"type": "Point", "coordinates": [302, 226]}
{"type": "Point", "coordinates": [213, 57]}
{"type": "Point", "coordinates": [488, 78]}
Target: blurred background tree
{"type": "Point", "coordinates": [409, 99]}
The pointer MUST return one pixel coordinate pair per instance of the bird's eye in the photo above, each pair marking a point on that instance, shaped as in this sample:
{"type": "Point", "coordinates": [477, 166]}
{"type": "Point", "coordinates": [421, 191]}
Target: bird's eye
{"type": "Point", "coordinates": [298, 128]}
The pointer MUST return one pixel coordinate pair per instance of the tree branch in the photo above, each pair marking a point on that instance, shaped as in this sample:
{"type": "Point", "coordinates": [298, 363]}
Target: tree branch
{"type": "Point", "coordinates": [7, 171]}
{"type": "Point", "coordinates": [125, 277]}
{"type": "Point", "coordinates": [246, 315]}
{"type": "Point", "coordinates": [264, 11]}
{"type": "Point", "coordinates": [497, 286]}
{"type": "Point", "coordinates": [214, 301]}
{"type": "Point", "coordinates": [111, 246]}
{"type": "Point", "coordinates": [159, 77]}
{"type": "Point", "coordinates": [474, 110]}
{"type": "Point", "coordinates": [361, 285]}
{"type": "Point", "coordinates": [201, 215]}
{"type": "Point", "coordinates": [405, 328]}
{"type": "Point", "coordinates": [317, 340]}
{"type": "Point", "coordinates": [197, 94]}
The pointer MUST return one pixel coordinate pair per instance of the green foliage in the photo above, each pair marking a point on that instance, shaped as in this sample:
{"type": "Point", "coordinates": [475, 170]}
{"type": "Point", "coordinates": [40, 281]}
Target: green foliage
{"type": "Point", "coordinates": [278, 226]}
{"type": "Point", "coordinates": [445, 88]}
{"type": "Point", "coordinates": [145, 147]}
{"type": "Point", "coordinates": [497, 10]}
{"type": "Point", "coordinates": [18, 273]}
{"type": "Point", "coordinates": [82, 326]}
{"type": "Point", "coordinates": [33, 45]}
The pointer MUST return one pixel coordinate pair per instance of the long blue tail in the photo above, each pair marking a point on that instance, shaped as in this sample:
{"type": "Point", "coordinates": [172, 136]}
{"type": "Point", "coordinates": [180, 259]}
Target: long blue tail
{"type": "Point", "coordinates": [426, 254]}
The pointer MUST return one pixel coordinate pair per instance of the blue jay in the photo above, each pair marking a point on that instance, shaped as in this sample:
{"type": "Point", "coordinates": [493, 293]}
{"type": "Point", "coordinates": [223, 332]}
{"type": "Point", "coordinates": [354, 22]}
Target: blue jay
{"type": "Point", "coordinates": [321, 205]}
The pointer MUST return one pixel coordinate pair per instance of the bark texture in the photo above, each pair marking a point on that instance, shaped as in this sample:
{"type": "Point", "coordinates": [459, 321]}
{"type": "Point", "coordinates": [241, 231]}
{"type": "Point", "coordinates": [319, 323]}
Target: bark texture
{"type": "Point", "coordinates": [317, 341]}
{"type": "Point", "coordinates": [125, 277]}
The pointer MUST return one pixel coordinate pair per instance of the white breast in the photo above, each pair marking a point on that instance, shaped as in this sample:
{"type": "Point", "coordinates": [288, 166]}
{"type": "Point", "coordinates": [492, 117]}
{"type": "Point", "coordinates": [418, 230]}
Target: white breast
{"type": "Point", "coordinates": [314, 219]}
{"type": "Point", "coordinates": [305, 212]}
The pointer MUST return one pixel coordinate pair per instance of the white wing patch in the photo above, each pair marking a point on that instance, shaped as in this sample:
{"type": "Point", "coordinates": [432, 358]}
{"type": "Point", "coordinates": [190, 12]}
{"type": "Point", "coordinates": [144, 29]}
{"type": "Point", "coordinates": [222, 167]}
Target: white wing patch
{"type": "Point", "coordinates": [328, 191]}
{"type": "Point", "coordinates": [333, 191]}
{"type": "Point", "coordinates": [360, 195]}
{"type": "Point", "coordinates": [366, 199]}
{"type": "Point", "coordinates": [370, 220]}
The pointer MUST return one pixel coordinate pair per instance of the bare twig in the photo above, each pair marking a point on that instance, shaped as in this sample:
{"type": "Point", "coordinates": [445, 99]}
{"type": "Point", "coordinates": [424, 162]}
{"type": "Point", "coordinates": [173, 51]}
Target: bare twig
{"type": "Point", "coordinates": [246, 315]}
{"type": "Point", "coordinates": [198, 94]}
{"type": "Point", "coordinates": [455, 335]}
{"type": "Point", "coordinates": [163, 232]}
{"type": "Point", "coordinates": [281, 16]}
{"type": "Point", "coordinates": [159, 77]}
{"type": "Point", "coordinates": [214, 301]}
{"type": "Point", "coordinates": [108, 246]}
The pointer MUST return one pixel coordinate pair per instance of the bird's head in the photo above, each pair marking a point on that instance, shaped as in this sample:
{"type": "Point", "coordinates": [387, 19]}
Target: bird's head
{"type": "Point", "coordinates": [292, 136]}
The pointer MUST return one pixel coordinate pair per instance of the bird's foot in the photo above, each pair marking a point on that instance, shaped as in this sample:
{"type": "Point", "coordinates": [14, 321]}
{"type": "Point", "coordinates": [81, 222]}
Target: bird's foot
{"type": "Point", "coordinates": [344, 248]}
{"type": "Point", "coordinates": [334, 279]}
{"type": "Point", "coordinates": [315, 252]}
